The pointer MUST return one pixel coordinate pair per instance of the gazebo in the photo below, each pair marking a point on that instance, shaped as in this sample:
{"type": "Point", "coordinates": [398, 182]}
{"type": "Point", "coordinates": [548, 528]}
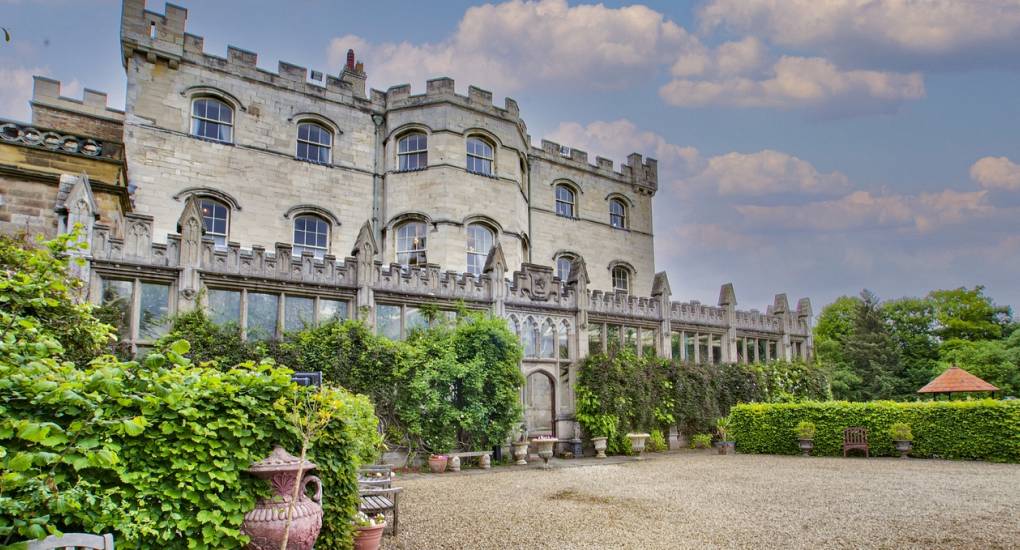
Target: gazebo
{"type": "Point", "coordinates": [956, 380]}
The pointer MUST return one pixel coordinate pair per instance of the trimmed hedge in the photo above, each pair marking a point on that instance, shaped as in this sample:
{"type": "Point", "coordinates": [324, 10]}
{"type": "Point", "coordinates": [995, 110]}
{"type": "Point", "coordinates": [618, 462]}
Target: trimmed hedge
{"type": "Point", "coordinates": [971, 430]}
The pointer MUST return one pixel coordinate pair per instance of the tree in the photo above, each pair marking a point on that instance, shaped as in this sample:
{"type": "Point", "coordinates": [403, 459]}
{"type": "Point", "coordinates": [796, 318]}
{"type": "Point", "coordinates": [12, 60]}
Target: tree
{"type": "Point", "coordinates": [871, 353]}
{"type": "Point", "coordinates": [968, 314]}
{"type": "Point", "coordinates": [834, 329]}
{"type": "Point", "coordinates": [911, 324]}
{"type": "Point", "coordinates": [994, 361]}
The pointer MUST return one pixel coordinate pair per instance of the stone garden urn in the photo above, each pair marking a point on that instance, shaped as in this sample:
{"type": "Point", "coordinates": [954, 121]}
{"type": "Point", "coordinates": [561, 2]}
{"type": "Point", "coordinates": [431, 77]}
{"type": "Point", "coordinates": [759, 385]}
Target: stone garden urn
{"type": "Point", "coordinates": [806, 445]}
{"type": "Point", "coordinates": [545, 449]}
{"type": "Point", "coordinates": [520, 452]}
{"type": "Point", "coordinates": [265, 524]}
{"type": "Point", "coordinates": [600, 446]}
{"type": "Point", "coordinates": [904, 446]}
{"type": "Point", "coordinates": [637, 443]}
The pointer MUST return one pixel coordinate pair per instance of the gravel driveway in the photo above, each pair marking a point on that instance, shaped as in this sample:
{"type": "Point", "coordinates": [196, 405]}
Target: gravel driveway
{"type": "Point", "coordinates": [701, 500]}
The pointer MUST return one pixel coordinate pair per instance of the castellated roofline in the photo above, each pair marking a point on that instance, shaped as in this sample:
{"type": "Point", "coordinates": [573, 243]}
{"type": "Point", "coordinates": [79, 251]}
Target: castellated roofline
{"type": "Point", "coordinates": [641, 172]}
{"type": "Point", "coordinates": [46, 92]}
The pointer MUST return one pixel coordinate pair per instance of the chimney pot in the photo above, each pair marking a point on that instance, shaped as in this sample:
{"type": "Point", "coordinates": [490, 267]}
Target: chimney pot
{"type": "Point", "coordinates": [350, 59]}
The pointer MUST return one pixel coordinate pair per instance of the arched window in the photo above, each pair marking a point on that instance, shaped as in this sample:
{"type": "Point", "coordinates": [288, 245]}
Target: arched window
{"type": "Point", "coordinates": [479, 242]}
{"type": "Point", "coordinates": [529, 337]}
{"type": "Point", "coordinates": [621, 279]}
{"type": "Point", "coordinates": [617, 214]}
{"type": "Point", "coordinates": [314, 143]}
{"type": "Point", "coordinates": [311, 233]}
{"type": "Point", "coordinates": [563, 265]}
{"type": "Point", "coordinates": [548, 340]}
{"type": "Point", "coordinates": [412, 152]}
{"type": "Point", "coordinates": [479, 156]}
{"type": "Point", "coordinates": [212, 119]}
{"type": "Point", "coordinates": [565, 199]}
{"type": "Point", "coordinates": [215, 220]}
{"type": "Point", "coordinates": [513, 326]}
{"type": "Point", "coordinates": [411, 244]}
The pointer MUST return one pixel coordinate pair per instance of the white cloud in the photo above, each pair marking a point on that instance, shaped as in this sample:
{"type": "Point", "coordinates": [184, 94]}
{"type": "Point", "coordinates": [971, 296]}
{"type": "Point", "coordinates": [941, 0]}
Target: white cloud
{"type": "Point", "coordinates": [996, 173]}
{"type": "Point", "coordinates": [16, 91]}
{"type": "Point", "coordinates": [510, 45]}
{"type": "Point", "coordinates": [798, 82]}
{"type": "Point", "coordinates": [878, 30]}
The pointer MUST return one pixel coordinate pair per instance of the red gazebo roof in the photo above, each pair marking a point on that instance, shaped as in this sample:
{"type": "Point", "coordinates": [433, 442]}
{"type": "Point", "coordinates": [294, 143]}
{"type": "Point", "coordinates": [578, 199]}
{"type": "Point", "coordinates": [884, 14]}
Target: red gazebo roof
{"type": "Point", "coordinates": [956, 380]}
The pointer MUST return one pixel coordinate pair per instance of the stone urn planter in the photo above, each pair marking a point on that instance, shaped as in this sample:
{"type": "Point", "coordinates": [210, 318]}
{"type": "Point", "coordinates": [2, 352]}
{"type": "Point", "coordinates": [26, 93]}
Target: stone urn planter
{"type": "Point", "coordinates": [369, 538]}
{"type": "Point", "coordinates": [806, 445]}
{"type": "Point", "coordinates": [437, 463]}
{"type": "Point", "coordinates": [520, 452]}
{"type": "Point", "coordinates": [545, 449]}
{"type": "Point", "coordinates": [600, 446]}
{"type": "Point", "coordinates": [637, 443]}
{"type": "Point", "coordinates": [904, 447]}
{"type": "Point", "coordinates": [727, 447]}
{"type": "Point", "coordinates": [265, 524]}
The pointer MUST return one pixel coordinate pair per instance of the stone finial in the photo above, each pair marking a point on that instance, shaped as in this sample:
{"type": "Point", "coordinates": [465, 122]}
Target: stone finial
{"type": "Point", "coordinates": [190, 226]}
{"type": "Point", "coordinates": [578, 273]}
{"type": "Point", "coordinates": [365, 246]}
{"type": "Point", "coordinates": [804, 308]}
{"type": "Point", "coordinates": [780, 306]}
{"type": "Point", "coordinates": [660, 285]}
{"type": "Point", "coordinates": [727, 297]}
{"type": "Point", "coordinates": [495, 262]}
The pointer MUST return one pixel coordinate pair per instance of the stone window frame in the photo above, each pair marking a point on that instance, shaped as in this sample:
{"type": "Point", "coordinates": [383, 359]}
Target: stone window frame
{"type": "Point", "coordinates": [618, 211]}
{"type": "Point", "coordinates": [215, 201]}
{"type": "Point", "coordinates": [328, 130]}
{"type": "Point", "coordinates": [575, 193]}
{"type": "Point", "coordinates": [207, 93]}
{"type": "Point", "coordinates": [487, 140]}
{"type": "Point", "coordinates": [331, 219]}
{"type": "Point", "coordinates": [316, 250]}
{"type": "Point", "coordinates": [281, 306]}
{"type": "Point", "coordinates": [562, 255]}
{"type": "Point", "coordinates": [134, 307]}
{"type": "Point", "coordinates": [423, 250]}
{"type": "Point", "coordinates": [421, 156]}
{"type": "Point", "coordinates": [619, 266]}
{"type": "Point", "coordinates": [477, 254]}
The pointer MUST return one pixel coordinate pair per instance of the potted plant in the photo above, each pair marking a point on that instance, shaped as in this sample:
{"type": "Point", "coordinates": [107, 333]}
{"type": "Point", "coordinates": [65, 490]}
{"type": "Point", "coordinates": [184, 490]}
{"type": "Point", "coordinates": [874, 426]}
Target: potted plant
{"type": "Point", "coordinates": [368, 531]}
{"type": "Point", "coordinates": [806, 434]}
{"type": "Point", "coordinates": [722, 427]}
{"type": "Point", "coordinates": [701, 441]}
{"type": "Point", "coordinates": [903, 438]}
{"type": "Point", "coordinates": [637, 443]}
{"type": "Point", "coordinates": [437, 463]}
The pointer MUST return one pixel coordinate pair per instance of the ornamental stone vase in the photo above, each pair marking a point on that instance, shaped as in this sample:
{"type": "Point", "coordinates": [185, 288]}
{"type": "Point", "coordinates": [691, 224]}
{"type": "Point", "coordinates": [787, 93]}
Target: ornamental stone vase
{"type": "Point", "coordinates": [520, 452]}
{"type": "Point", "coordinates": [637, 443]}
{"type": "Point", "coordinates": [265, 524]}
{"type": "Point", "coordinates": [904, 447]}
{"type": "Point", "coordinates": [806, 445]}
{"type": "Point", "coordinates": [545, 449]}
{"type": "Point", "coordinates": [600, 446]}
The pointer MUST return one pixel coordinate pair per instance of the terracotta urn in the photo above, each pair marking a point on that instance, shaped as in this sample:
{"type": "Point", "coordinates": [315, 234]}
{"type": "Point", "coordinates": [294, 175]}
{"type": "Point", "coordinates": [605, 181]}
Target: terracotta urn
{"type": "Point", "coordinates": [368, 538]}
{"type": "Point", "coordinates": [437, 463]}
{"type": "Point", "coordinates": [265, 524]}
{"type": "Point", "coordinates": [637, 443]}
{"type": "Point", "coordinates": [600, 446]}
{"type": "Point", "coordinates": [545, 449]}
{"type": "Point", "coordinates": [520, 452]}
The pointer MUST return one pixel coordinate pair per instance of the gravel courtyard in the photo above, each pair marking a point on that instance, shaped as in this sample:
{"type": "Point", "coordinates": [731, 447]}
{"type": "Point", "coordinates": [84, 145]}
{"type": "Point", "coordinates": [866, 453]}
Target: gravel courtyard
{"type": "Point", "coordinates": [702, 500]}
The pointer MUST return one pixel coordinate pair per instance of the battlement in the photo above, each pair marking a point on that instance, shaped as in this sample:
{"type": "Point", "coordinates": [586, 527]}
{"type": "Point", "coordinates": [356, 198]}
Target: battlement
{"type": "Point", "coordinates": [164, 37]}
{"type": "Point", "coordinates": [637, 171]}
{"type": "Point", "coordinates": [443, 90]}
{"type": "Point", "coordinates": [46, 92]}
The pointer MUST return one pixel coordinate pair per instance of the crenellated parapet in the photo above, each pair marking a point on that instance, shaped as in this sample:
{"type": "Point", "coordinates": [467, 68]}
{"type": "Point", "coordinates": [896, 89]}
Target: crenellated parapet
{"type": "Point", "coordinates": [536, 286]}
{"type": "Point", "coordinates": [696, 313]}
{"type": "Point", "coordinates": [621, 304]}
{"type": "Point", "coordinates": [640, 173]}
{"type": "Point", "coordinates": [442, 90]}
{"type": "Point", "coordinates": [431, 282]}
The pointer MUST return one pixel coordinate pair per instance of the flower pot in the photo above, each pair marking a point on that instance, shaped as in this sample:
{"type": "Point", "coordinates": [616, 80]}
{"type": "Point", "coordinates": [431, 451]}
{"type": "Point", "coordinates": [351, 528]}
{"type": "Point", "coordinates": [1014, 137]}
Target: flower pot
{"type": "Point", "coordinates": [545, 449]}
{"type": "Point", "coordinates": [600, 446]}
{"type": "Point", "coordinates": [368, 538]}
{"type": "Point", "coordinates": [637, 443]}
{"type": "Point", "coordinates": [806, 445]}
{"type": "Point", "coordinates": [520, 452]}
{"type": "Point", "coordinates": [437, 464]}
{"type": "Point", "coordinates": [727, 447]}
{"type": "Point", "coordinates": [904, 447]}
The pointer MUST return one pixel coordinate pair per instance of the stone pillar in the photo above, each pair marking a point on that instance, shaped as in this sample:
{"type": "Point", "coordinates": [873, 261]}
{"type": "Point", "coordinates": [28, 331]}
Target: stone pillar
{"type": "Point", "coordinates": [190, 227]}
{"type": "Point", "coordinates": [806, 318]}
{"type": "Point", "coordinates": [683, 345]}
{"type": "Point", "coordinates": [78, 209]}
{"type": "Point", "coordinates": [728, 301]}
{"type": "Point", "coordinates": [578, 282]}
{"type": "Point", "coordinates": [757, 349]}
{"type": "Point", "coordinates": [365, 250]}
{"type": "Point", "coordinates": [662, 293]}
{"type": "Point", "coordinates": [743, 342]}
{"type": "Point", "coordinates": [495, 269]}
{"type": "Point", "coordinates": [697, 348]}
{"type": "Point", "coordinates": [781, 307]}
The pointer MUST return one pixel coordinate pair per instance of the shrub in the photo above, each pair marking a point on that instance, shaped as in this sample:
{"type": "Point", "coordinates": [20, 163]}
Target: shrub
{"type": "Point", "coordinates": [900, 431]}
{"type": "Point", "coordinates": [722, 427]}
{"type": "Point", "coordinates": [977, 430]}
{"type": "Point", "coordinates": [805, 430]}
{"type": "Point", "coordinates": [701, 441]}
{"type": "Point", "coordinates": [217, 345]}
{"type": "Point", "coordinates": [656, 442]}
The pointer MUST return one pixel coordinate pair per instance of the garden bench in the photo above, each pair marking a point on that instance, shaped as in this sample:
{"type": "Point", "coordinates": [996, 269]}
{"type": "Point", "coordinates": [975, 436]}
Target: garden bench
{"type": "Point", "coordinates": [484, 459]}
{"type": "Point", "coordinates": [378, 476]}
{"type": "Point", "coordinates": [73, 540]}
{"type": "Point", "coordinates": [855, 438]}
{"type": "Point", "coordinates": [375, 500]}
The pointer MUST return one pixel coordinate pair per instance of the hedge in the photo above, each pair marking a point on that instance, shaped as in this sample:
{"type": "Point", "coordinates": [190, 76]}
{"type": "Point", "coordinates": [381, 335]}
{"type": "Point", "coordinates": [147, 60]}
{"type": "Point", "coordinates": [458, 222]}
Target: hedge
{"type": "Point", "coordinates": [971, 430]}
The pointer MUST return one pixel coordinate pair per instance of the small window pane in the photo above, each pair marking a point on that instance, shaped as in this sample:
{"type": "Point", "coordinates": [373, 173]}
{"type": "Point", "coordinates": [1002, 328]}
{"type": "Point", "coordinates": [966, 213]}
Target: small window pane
{"type": "Point", "coordinates": [214, 218]}
{"type": "Point", "coordinates": [412, 152]}
{"type": "Point", "coordinates": [224, 306]}
{"type": "Point", "coordinates": [529, 337]}
{"type": "Point", "coordinates": [630, 338]}
{"type": "Point", "coordinates": [548, 340]}
{"type": "Point", "coordinates": [387, 320]}
{"type": "Point", "coordinates": [117, 300]}
{"type": "Point", "coordinates": [411, 244]}
{"type": "Point", "coordinates": [262, 312]}
{"type": "Point", "coordinates": [647, 342]}
{"type": "Point", "coordinates": [675, 344]}
{"type": "Point", "coordinates": [563, 267]}
{"type": "Point", "coordinates": [479, 242]}
{"type": "Point", "coordinates": [595, 338]}
{"type": "Point", "coordinates": [311, 233]}
{"type": "Point", "coordinates": [617, 214]}
{"type": "Point", "coordinates": [563, 342]}
{"type": "Point", "coordinates": [212, 119]}
{"type": "Point", "coordinates": [299, 313]}
{"type": "Point", "coordinates": [332, 310]}
{"type": "Point", "coordinates": [479, 159]}
{"type": "Point", "coordinates": [612, 338]}
{"type": "Point", "coordinates": [414, 320]}
{"type": "Point", "coordinates": [155, 306]}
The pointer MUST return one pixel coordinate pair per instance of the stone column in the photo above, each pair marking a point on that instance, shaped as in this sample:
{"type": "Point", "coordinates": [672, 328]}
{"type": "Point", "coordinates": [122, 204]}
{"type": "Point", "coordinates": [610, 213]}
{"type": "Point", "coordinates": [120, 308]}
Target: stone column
{"type": "Point", "coordinates": [495, 269]}
{"type": "Point", "coordinates": [806, 318]}
{"type": "Point", "coordinates": [662, 293]}
{"type": "Point", "coordinates": [683, 345]}
{"type": "Point", "coordinates": [189, 282]}
{"type": "Point", "coordinates": [781, 307]}
{"type": "Point", "coordinates": [728, 301]}
{"type": "Point", "coordinates": [697, 348]}
{"type": "Point", "coordinates": [578, 282]}
{"type": "Point", "coordinates": [366, 273]}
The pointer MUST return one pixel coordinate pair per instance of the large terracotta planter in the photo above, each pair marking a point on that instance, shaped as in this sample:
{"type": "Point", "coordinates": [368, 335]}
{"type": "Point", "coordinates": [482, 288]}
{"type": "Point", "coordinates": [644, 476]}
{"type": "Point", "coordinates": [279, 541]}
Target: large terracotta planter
{"type": "Point", "coordinates": [600, 446]}
{"type": "Point", "coordinates": [545, 449]}
{"type": "Point", "coordinates": [368, 538]}
{"type": "Point", "coordinates": [520, 452]}
{"type": "Point", "coordinates": [637, 443]}
{"type": "Point", "coordinates": [265, 524]}
{"type": "Point", "coordinates": [437, 464]}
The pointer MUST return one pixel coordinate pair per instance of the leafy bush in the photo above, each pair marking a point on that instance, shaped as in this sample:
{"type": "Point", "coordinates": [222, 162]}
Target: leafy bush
{"type": "Point", "coordinates": [217, 345]}
{"type": "Point", "coordinates": [805, 430]}
{"type": "Point", "coordinates": [701, 441]}
{"type": "Point", "coordinates": [656, 442]}
{"type": "Point", "coordinates": [900, 431]}
{"type": "Point", "coordinates": [977, 430]}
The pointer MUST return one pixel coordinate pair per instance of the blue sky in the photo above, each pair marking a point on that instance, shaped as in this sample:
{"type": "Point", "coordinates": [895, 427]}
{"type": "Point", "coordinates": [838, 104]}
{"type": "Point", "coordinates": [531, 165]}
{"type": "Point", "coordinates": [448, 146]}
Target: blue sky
{"type": "Point", "coordinates": [814, 147]}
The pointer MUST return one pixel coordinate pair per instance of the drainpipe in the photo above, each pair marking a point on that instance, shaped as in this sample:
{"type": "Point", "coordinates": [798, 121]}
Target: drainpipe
{"type": "Point", "coordinates": [377, 177]}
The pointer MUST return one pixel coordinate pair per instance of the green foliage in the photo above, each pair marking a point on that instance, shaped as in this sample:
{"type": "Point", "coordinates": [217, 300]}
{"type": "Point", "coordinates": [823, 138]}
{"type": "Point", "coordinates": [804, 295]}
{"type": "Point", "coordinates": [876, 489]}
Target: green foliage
{"type": "Point", "coordinates": [701, 441]}
{"type": "Point", "coordinates": [974, 430]}
{"type": "Point", "coordinates": [900, 431]}
{"type": "Point", "coordinates": [805, 430]}
{"type": "Point", "coordinates": [968, 314]}
{"type": "Point", "coordinates": [656, 442]}
{"type": "Point", "coordinates": [994, 361]}
{"type": "Point", "coordinates": [38, 297]}
{"type": "Point", "coordinates": [218, 345]}
{"type": "Point", "coordinates": [722, 427]}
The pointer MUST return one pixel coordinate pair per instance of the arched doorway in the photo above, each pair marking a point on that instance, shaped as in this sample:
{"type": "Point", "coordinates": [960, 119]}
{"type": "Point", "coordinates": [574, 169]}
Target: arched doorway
{"type": "Point", "coordinates": [539, 404]}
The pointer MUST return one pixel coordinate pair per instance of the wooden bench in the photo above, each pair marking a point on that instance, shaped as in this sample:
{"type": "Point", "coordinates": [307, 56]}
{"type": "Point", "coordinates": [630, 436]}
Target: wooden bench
{"type": "Point", "coordinates": [376, 476]}
{"type": "Point", "coordinates": [376, 500]}
{"type": "Point", "coordinates": [484, 459]}
{"type": "Point", "coordinates": [855, 438]}
{"type": "Point", "coordinates": [73, 540]}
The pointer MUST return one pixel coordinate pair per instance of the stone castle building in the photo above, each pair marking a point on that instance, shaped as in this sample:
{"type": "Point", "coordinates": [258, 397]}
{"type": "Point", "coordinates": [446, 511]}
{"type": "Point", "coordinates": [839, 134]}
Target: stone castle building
{"type": "Point", "coordinates": [279, 199]}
